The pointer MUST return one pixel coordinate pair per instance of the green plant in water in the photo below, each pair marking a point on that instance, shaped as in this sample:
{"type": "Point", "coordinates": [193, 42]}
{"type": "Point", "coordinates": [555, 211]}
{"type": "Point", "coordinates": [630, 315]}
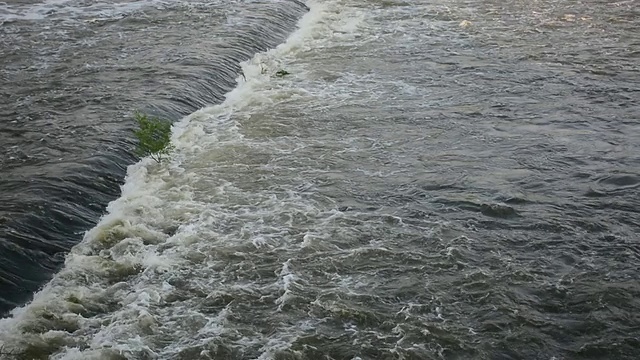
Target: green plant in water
{"type": "Point", "coordinates": [154, 136]}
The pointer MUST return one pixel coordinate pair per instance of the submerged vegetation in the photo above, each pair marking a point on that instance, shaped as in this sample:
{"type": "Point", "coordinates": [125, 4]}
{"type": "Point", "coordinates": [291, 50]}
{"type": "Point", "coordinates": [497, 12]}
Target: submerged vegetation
{"type": "Point", "coordinates": [264, 69]}
{"type": "Point", "coordinates": [154, 136]}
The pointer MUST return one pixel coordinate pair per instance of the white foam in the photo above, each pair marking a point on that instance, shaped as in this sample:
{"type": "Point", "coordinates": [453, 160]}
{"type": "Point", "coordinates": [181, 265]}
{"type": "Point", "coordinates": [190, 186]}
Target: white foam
{"type": "Point", "coordinates": [173, 215]}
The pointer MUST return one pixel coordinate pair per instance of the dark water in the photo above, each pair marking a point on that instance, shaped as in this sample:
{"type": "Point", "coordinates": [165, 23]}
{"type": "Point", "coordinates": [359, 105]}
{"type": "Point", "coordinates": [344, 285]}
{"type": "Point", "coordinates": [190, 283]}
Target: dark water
{"type": "Point", "coordinates": [72, 74]}
{"type": "Point", "coordinates": [433, 180]}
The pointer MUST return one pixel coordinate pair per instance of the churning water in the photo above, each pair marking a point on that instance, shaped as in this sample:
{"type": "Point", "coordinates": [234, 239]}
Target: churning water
{"type": "Point", "coordinates": [447, 179]}
{"type": "Point", "coordinates": [73, 72]}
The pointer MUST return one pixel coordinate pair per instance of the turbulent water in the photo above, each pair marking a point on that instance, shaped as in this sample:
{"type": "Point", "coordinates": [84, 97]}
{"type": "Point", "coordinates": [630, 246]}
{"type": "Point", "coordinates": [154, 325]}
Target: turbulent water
{"type": "Point", "coordinates": [72, 74]}
{"type": "Point", "coordinates": [439, 179]}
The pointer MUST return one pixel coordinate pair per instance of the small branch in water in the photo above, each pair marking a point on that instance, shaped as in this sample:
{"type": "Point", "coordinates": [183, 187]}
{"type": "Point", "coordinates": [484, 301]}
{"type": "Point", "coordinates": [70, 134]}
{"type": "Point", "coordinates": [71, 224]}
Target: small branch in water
{"type": "Point", "coordinates": [7, 353]}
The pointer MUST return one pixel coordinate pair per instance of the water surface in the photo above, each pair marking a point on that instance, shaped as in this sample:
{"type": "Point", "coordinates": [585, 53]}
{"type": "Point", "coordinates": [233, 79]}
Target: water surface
{"type": "Point", "coordinates": [433, 180]}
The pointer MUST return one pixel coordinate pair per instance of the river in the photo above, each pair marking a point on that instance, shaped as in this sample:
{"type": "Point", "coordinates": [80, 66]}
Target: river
{"type": "Point", "coordinates": [351, 179]}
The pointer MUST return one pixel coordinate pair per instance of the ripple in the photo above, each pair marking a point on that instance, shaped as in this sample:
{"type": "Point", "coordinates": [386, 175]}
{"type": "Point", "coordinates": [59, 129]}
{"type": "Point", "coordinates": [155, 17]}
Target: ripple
{"type": "Point", "coordinates": [68, 129]}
